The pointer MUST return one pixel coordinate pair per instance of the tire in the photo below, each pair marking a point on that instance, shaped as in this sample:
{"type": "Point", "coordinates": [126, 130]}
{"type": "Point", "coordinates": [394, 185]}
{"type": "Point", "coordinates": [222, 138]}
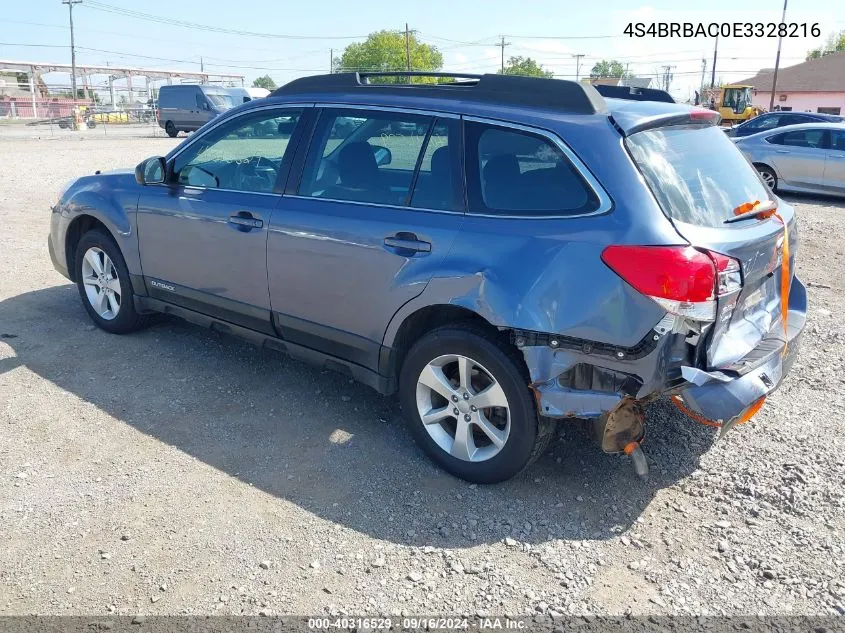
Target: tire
{"type": "Point", "coordinates": [126, 319]}
{"type": "Point", "coordinates": [768, 175]}
{"type": "Point", "coordinates": [521, 434]}
{"type": "Point", "coordinates": [171, 130]}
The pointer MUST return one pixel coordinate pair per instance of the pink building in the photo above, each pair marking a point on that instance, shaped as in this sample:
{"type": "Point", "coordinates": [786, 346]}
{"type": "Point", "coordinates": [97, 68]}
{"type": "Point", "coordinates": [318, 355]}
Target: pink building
{"type": "Point", "coordinates": [814, 86]}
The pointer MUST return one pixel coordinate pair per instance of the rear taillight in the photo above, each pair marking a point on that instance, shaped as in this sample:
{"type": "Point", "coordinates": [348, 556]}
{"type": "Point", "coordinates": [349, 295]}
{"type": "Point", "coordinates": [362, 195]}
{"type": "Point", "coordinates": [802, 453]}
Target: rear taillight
{"type": "Point", "coordinates": [728, 275]}
{"type": "Point", "coordinates": [684, 280]}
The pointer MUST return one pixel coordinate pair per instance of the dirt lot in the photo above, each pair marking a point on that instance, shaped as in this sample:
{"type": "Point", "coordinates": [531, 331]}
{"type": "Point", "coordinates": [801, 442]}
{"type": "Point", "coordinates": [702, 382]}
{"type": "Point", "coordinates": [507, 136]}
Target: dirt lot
{"type": "Point", "coordinates": [180, 471]}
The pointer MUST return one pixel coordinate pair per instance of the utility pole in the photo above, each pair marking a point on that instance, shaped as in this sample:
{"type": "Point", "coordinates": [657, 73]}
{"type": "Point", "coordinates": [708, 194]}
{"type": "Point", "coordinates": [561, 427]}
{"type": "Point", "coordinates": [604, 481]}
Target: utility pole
{"type": "Point", "coordinates": [713, 70]}
{"type": "Point", "coordinates": [202, 65]}
{"type": "Point", "coordinates": [331, 61]}
{"type": "Point", "coordinates": [578, 57]}
{"type": "Point", "coordinates": [667, 77]}
{"type": "Point", "coordinates": [502, 45]}
{"type": "Point", "coordinates": [70, 4]}
{"type": "Point", "coordinates": [777, 63]}
{"type": "Point", "coordinates": [408, 51]}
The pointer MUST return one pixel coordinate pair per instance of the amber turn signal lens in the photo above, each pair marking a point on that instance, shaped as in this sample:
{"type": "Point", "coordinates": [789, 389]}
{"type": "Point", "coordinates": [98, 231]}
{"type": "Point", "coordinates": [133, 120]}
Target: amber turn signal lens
{"type": "Point", "coordinates": [751, 411]}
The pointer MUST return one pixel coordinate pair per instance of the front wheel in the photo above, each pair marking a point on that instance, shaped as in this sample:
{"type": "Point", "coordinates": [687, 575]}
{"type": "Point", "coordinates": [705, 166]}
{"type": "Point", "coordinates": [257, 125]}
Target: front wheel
{"type": "Point", "coordinates": [466, 399]}
{"type": "Point", "coordinates": [104, 285]}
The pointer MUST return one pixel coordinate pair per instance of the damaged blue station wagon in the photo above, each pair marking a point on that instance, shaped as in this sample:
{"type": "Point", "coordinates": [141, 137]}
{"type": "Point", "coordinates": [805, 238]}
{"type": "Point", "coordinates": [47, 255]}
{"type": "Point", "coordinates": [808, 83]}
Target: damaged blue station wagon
{"type": "Point", "coordinates": [507, 253]}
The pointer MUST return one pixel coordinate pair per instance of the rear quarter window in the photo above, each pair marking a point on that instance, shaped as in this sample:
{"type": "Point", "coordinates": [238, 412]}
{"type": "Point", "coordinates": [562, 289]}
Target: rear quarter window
{"type": "Point", "coordinates": [697, 174]}
{"type": "Point", "coordinates": [515, 172]}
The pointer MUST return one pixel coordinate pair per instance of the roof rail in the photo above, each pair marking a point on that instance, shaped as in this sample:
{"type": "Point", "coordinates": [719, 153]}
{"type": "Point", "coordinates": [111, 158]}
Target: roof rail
{"type": "Point", "coordinates": [633, 93]}
{"type": "Point", "coordinates": [556, 94]}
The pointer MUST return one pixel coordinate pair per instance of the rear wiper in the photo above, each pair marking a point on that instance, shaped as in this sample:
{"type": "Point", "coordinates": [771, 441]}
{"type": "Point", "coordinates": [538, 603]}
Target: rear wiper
{"type": "Point", "coordinates": [756, 209]}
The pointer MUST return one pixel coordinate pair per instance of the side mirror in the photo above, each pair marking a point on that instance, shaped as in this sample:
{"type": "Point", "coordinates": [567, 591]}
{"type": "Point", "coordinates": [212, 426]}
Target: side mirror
{"type": "Point", "coordinates": [383, 155]}
{"type": "Point", "coordinates": [151, 171]}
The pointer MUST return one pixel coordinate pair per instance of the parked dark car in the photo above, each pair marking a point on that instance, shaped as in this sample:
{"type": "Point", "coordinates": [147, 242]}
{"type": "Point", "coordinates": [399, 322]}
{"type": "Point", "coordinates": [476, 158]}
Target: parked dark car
{"type": "Point", "coordinates": [772, 120]}
{"type": "Point", "coordinates": [522, 254]}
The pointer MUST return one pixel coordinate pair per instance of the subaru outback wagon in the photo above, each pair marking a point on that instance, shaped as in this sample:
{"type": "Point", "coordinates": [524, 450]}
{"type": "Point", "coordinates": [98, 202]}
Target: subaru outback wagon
{"type": "Point", "coordinates": [507, 253]}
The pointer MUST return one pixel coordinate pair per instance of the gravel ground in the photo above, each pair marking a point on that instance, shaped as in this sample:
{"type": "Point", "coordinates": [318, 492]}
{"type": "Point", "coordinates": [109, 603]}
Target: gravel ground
{"type": "Point", "coordinates": [181, 471]}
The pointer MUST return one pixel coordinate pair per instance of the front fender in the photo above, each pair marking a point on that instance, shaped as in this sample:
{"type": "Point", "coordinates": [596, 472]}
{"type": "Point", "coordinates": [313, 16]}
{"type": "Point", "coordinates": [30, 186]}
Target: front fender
{"type": "Point", "coordinates": [112, 200]}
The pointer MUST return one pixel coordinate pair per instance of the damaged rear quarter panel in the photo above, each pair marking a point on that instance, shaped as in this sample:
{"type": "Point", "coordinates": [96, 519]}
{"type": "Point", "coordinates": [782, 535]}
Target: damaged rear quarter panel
{"type": "Point", "coordinates": [545, 274]}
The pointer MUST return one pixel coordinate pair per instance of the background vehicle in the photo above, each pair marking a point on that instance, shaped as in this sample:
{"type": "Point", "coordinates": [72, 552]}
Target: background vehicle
{"type": "Point", "coordinates": [187, 107]}
{"type": "Point", "coordinates": [808, 158]}
{"type": "Point", "coordinates": [772, 120]}
{"type": "Point", "coordinates": [243, 95]}
{"type": "Point", "coordinates": [735, 104]}
{"type": "Point", "coordinates": [505, 252]}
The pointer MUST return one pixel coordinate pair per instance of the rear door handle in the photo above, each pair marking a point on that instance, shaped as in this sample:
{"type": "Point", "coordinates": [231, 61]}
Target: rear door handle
{"type": "Point", "coordinates": [244, 220]}
{"type": "Point", "coordinates": [783, 151]}
{"type": "Point", "coordinates": [404, 241]}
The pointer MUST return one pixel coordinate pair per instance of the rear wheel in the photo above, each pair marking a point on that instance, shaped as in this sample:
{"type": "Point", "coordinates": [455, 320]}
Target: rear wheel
{"type": "Point", "coordinates": [171, 130]}
{"type": "Point", "coordinates": [104, 286]}
{"type": "Point", "coordinates": [768, 175]}
{"type": "Point", "coordinates": [466, 399]}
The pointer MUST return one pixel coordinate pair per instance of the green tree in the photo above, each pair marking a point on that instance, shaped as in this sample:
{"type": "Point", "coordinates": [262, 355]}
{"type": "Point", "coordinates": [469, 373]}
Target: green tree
{"type": "Point", "coordinates": [385, 50]}
{"type": "Point", "coordinates": [608, 68]}
{"type": "Point", "coordinates": [835, 43]}
{"type": "Point", "coordinates": [525, 66]}
{"type": "Point", "coordinates": [265, 82]}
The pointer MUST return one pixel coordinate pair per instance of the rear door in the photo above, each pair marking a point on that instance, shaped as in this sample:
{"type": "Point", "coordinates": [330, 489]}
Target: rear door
{"type": "Point", "coordinates": [834, 165]}
{"type": "Point", "coordinates": [799, 156]}
{"type": "Point", "coordinates": [377, 210]}
{"type": "Point", "coordinates": [700, 191]}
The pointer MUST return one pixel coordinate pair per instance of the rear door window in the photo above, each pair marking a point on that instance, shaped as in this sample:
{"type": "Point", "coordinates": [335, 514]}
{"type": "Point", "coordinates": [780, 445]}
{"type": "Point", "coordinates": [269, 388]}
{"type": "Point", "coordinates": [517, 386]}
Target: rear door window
{"type": "Point", "coordinates": [438, 181]}
{"type": "Point", "coordinates": [696, 173]}
{"type": "Point", "coordinates": [837, 140]}
{"type": "Point", "coordinates": [515, 172]}
{"type": "Point", "coordinates": [365, 156]}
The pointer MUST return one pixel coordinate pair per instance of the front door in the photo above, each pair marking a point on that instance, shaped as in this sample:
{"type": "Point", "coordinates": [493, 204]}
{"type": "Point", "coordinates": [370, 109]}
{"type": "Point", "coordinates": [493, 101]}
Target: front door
{"type": "Point", "coordinates": [203, 234]}
{"type": "Point", "coordinates": [377, 210]}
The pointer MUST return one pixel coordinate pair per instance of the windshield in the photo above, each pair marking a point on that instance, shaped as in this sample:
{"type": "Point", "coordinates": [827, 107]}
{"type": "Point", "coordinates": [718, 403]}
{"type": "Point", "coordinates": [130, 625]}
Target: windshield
{"type": "Point", "coordinates": [220, 100]}
{"type": "Point", "coordinates": [697, 174]}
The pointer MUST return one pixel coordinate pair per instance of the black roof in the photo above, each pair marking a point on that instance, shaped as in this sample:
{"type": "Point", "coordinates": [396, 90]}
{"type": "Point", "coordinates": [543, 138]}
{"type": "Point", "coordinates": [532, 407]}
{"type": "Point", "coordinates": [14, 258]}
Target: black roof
{"type": "Point", "coordinates": [498, 89]}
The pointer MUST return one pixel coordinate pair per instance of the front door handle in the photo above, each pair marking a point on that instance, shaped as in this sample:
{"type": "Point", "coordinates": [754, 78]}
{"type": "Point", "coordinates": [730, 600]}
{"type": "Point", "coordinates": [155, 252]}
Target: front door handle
{"type": "Point", "coordinates": [245, 221]}
{"type": "Point", "coordinates": [409, 242]}
{"type": "Point", "coordinates": [783, 151]}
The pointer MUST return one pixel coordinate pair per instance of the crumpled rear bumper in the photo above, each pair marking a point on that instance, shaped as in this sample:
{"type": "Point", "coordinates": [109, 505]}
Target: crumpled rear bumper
{"type": "Point", "coordinates": [724, 397]}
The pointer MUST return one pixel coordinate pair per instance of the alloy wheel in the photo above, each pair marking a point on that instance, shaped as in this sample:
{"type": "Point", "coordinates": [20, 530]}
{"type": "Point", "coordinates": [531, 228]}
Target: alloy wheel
{"type": "Point", "coordinates": [463, 408]}
{"type": "Point", "coordinates": [768, 177]}
{"type": "Point", "coordinates": [101, 282]}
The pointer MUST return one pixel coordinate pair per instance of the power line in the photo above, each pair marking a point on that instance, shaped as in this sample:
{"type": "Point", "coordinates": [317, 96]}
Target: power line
{"type": "Point", "coordinates": [101, 6]}
{"type": "Point", "coordinates": [564, 37]}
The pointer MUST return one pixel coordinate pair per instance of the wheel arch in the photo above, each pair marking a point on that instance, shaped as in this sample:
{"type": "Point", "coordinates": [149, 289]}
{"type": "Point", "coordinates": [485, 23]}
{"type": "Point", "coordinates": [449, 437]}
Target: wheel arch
{"type": "Point", "coordinates": [418, 323]}
{"type": "Point", "coordinates": [759, 163]}
{"type": "Point", "coordinates": [78, 227]}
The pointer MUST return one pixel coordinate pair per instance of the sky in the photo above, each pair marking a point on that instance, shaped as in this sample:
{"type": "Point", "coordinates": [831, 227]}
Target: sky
{"type": "Point", "coordinates": [290, 39]}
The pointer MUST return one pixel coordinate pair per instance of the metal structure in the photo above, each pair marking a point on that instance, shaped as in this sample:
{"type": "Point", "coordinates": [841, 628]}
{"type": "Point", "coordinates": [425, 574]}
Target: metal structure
{"type": "Point", "coordinates": [37, 87]}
